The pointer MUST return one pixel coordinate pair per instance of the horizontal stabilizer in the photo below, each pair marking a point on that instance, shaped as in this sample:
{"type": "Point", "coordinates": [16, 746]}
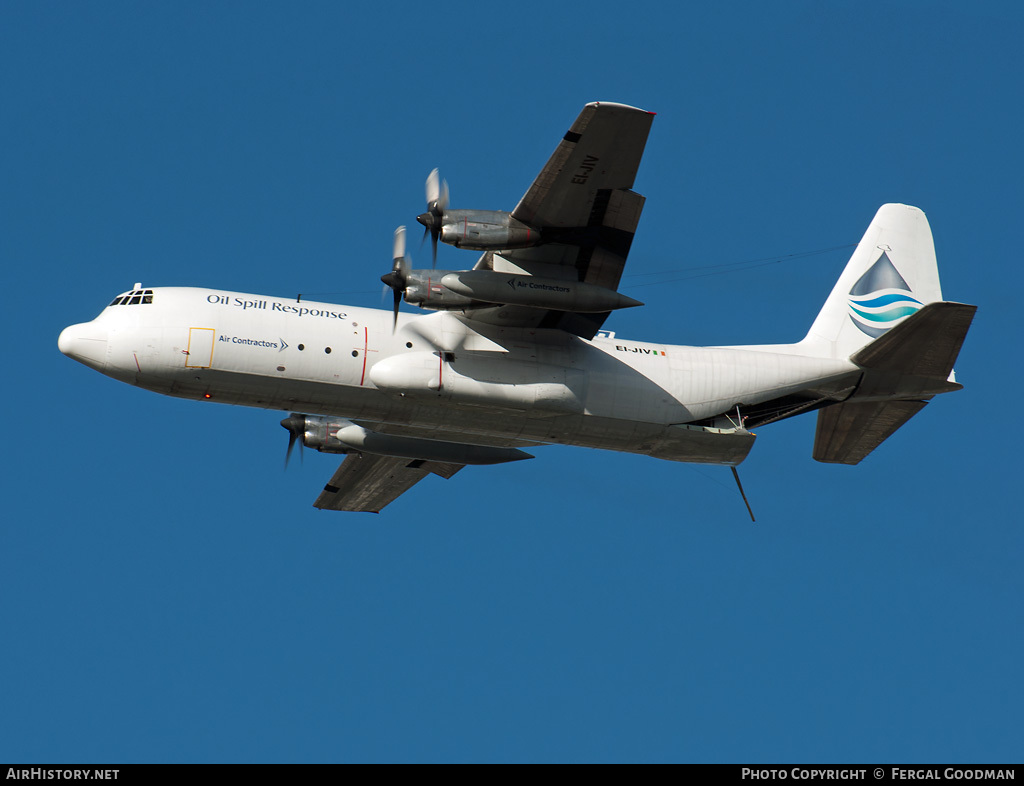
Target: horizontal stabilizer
{"type": "Point", "coordinates": [926, 344]}
{"type": "Point", "coordinates": [848, 432]}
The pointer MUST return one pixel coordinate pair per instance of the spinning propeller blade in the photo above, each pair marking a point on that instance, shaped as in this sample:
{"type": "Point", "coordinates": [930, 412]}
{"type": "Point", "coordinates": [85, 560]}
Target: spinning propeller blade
{"type": "Point", "coordinates": [437, 203]}
{"type": "Point", "coordinates": [398, 278]}
{"type": "Point", "coordinates": [296, 426]}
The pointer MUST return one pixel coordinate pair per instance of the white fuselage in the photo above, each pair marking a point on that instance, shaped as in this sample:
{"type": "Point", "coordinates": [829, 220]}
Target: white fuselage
{"type": "Point", "coordinates": [439, 374]}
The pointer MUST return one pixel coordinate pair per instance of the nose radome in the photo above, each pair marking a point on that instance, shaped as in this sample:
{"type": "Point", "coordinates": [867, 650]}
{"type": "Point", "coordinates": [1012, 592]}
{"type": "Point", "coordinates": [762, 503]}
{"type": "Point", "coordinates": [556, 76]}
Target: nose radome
{"type": "Point", "coordinates": [85, 343]}
{"type": "Point", "coordinates": [66, 339]}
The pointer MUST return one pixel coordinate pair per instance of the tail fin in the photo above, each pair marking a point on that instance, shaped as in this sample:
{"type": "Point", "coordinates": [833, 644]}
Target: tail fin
{"type": "Point", "coordinates": [890, 276]}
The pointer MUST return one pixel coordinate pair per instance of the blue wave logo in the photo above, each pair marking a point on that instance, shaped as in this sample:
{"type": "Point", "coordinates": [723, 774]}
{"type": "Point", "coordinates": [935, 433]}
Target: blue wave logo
{"type": "Point", "coordinates": [881, 298]}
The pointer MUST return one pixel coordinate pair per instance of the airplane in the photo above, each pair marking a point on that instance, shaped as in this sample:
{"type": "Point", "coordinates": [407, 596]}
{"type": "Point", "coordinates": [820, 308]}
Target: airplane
{"type": "Point", "coordinates": [513, 354]}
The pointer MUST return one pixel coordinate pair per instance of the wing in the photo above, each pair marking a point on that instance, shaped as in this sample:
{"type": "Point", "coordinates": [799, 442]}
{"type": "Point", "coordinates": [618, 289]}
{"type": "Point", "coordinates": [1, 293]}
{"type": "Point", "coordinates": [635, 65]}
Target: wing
{"type": "Point", "coordinates": [380, 468]}
{"type": "Point", "coordinates": [584, 206]}
{"type": "Point", "coordinates": [367, 483]}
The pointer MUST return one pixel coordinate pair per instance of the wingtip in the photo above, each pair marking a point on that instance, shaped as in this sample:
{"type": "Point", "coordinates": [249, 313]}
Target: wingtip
{"type": "Point", "coordinates": [617, 105]}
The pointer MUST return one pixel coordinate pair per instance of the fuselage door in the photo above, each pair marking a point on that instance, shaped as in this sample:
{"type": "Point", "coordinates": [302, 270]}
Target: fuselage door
{"type": "Point", "coordinates": [200, 348]}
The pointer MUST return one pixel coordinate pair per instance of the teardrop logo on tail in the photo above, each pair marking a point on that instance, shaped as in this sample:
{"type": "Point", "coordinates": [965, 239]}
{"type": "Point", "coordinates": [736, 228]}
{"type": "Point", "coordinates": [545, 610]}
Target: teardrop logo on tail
{"type": "Point", "coordinates": [881, 298]}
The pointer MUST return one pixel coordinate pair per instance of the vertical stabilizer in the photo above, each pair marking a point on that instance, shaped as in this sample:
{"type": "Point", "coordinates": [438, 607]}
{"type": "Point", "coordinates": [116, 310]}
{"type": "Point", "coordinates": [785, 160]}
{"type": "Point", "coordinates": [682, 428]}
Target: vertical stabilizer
{"type": "Point", "coordinates": [890, 276]}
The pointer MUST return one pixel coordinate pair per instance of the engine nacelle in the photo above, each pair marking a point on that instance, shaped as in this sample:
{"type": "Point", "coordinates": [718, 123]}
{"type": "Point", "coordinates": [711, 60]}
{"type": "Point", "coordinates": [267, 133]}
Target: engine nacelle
{"type": "Point", "coordinates": [336, 435]}
{"type": "Point", "coordinates": [320, 432]}
{"type": "Point", "coordinates": [487, 230]}
{"type": "Point", "coordinates": [423, 288]}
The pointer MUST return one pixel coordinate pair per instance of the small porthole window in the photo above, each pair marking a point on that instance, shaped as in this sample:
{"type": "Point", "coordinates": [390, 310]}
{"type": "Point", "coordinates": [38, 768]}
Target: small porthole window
{"type": "Point", "coordinates": [301, 347]}
{"type": "Point", "coordinates": [327, 350]}
{"type": "Point", "coordinates": [408, 344]}
{"type": "Point", "coordinates": [355, 353]}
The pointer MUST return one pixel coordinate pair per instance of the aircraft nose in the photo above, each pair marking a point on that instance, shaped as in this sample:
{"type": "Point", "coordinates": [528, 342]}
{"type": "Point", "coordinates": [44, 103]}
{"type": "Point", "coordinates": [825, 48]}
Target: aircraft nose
{"type": "Point", "coordinates": [85, 343]}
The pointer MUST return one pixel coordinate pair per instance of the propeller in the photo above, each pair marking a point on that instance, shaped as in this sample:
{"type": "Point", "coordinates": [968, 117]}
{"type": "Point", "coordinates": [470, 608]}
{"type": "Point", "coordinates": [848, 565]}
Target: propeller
{"type": "Point", "coordinates": [437, 203]}
{"type": "Point", "coordinates": [398, 278]}
{"type": "Point", "coordinates": [296, 426]}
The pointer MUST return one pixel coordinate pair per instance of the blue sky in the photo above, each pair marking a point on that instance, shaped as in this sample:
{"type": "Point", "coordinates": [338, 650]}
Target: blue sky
{"type": "Point", "coordinates": [168, 594]}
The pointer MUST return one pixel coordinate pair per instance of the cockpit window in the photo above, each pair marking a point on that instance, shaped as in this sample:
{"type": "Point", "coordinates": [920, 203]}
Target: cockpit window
{"type": "Point", "coordinates": [133, 298]}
